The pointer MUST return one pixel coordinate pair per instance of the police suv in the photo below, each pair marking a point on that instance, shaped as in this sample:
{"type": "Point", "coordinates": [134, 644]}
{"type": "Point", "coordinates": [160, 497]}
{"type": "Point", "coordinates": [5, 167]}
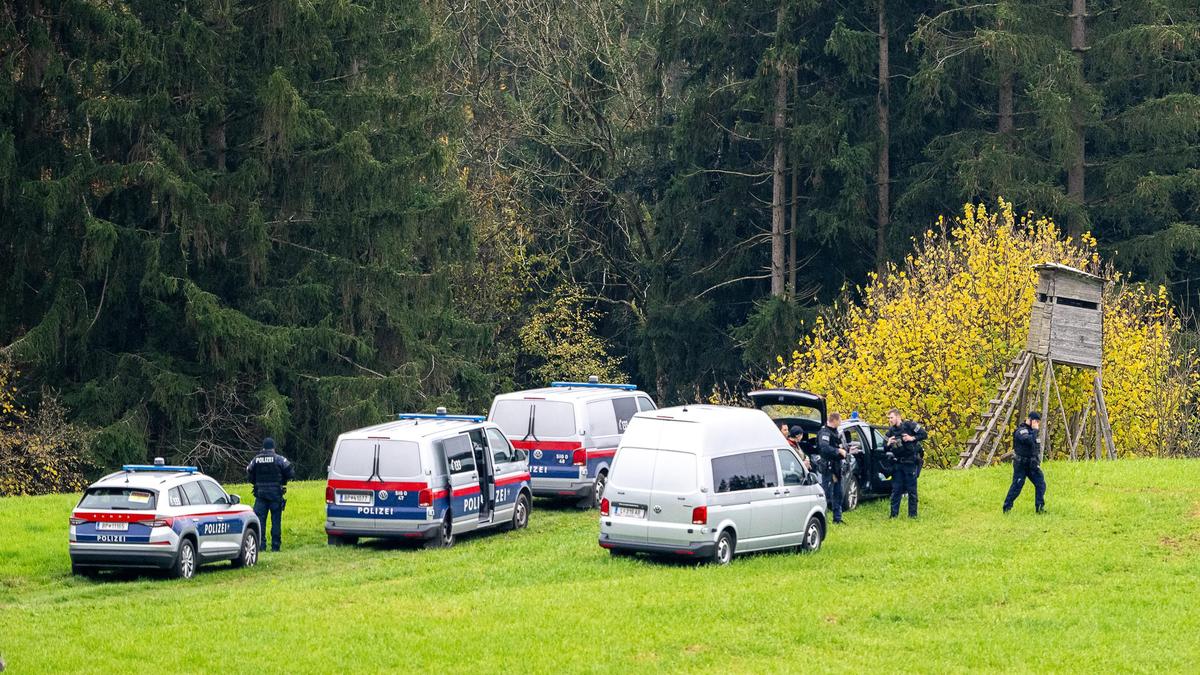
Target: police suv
{"type": "Point", "coordinates": [169, 517]}
{"type": "Point", "coordinates": [571, 430]}
{"type": "Point", "coordinates": [425, 477]}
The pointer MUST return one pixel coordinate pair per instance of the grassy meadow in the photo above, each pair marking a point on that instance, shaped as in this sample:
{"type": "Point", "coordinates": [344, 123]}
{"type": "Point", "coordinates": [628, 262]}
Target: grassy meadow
{"type": "Point", "coordinates": [1107, 580]}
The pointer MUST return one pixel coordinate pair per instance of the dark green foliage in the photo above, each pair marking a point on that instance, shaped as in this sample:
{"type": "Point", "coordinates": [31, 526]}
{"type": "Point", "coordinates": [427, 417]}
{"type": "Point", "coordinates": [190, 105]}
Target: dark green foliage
{"type": "Point", "coordinates": [230, 219]}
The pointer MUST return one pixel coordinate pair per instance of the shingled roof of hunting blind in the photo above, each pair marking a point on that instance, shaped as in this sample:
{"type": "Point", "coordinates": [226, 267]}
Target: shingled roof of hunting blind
{"type": "Point", "coordinates": [1066, 324]}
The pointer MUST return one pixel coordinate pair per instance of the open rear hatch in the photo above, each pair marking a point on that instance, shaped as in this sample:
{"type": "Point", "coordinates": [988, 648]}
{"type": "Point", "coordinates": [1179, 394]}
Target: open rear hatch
{"type": "Point", "coordinates": [791, 407]}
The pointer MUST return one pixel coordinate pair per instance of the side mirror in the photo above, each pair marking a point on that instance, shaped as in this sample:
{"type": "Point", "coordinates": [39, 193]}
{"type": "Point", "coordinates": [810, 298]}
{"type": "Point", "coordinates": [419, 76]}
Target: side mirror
{"type": "Point", "coordinates": [235, 499]}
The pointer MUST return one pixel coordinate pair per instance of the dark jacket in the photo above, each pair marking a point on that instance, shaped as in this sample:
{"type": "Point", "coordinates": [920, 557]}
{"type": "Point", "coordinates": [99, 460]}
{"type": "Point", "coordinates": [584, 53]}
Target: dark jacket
{"type": "Point", "coordinates": [829, 441]}
{"type": "Point", "coordinates": [907, 452]}
{"type": "Point", "coordinates": [268, 472]}
{"type": "Point", "coordinates": [1025, 442]}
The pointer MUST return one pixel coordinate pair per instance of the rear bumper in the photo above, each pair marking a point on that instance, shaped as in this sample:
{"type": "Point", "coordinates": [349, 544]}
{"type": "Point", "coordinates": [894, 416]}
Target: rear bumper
{"type": "Point", "coordinates": [561, 487]}
{"type": "Point", "coordinates": [160, 557]}
{"type": "Point", "coordinates": [388, 530]}
{"type": "Point", "coordinates": [702, 549]}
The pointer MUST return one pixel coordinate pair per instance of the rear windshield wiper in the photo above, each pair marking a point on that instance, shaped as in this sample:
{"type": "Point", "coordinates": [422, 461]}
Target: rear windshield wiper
{"type": "Point", "coordinates": [532, 417]}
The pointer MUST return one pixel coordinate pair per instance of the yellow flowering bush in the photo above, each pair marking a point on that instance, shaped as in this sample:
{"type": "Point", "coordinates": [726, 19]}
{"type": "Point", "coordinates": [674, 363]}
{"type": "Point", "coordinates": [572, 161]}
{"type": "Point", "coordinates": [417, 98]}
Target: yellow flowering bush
{"type": "Point", "coordinates": [934, 335]}
{"type": "Point", "coordinates": [41, 452]}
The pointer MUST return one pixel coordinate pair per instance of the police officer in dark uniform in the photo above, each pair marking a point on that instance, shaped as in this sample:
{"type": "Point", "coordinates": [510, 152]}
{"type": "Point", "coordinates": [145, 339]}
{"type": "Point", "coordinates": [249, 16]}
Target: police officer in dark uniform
{"type": "Point", "coordinates": [269, 473]}
{"type": "Point", "coordinates": [1027, 463]}
{"type": "Point", "coordinates": [831, 452]}
{"type": "Point", "coordinates": [904, 444]}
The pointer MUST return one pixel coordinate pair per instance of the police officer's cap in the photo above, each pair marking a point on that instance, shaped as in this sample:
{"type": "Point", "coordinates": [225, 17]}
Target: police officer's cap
{"type": "Point", "coordinates": [268, 443]}
{"type": "Point", "coordinates": [1035, 415]}
{"type": "Point", "coordinates": [796, 430]}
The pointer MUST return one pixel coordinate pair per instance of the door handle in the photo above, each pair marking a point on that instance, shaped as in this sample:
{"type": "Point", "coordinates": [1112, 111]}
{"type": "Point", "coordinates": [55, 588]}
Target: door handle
{"type": "Point", "coordinates": [777, 492]}
{"type": "Point", "coordinates": [787, 492]}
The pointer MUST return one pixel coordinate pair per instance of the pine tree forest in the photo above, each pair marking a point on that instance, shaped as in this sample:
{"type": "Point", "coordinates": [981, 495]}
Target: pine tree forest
{"type": "Point", "coordinates": [224, 219]}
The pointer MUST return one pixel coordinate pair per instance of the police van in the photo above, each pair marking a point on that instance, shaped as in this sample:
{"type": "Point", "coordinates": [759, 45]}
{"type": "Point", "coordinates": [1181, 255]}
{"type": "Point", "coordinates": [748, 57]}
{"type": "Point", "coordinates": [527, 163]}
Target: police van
{"type": "Point", "coordinates": [154, 515]}
{"type": "Point", "coordinates": [571, 430]}
{"type": "Point", "coordinates": [425, 477]}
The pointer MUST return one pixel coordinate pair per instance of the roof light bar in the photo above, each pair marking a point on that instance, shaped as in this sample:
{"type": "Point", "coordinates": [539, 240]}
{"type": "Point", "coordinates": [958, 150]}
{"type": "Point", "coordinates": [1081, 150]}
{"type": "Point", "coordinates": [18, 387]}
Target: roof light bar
{"type": "Point", "coordinates": [440, 415]}
{"type": "Point", "coordinates": [159, 467]}
{"type": "Point", "coordinates": [595, 385]}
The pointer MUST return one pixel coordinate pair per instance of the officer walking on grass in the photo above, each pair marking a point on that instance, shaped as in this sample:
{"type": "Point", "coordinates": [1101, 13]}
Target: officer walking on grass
{"type": "Point", "coordinates": [269, 473]}
{"type": "Point", "coordinates": [829, 448]}
{"type": "Point", "coordinates": [1027, 463]}
{"type": "Point", "coordinates": [904, 444]}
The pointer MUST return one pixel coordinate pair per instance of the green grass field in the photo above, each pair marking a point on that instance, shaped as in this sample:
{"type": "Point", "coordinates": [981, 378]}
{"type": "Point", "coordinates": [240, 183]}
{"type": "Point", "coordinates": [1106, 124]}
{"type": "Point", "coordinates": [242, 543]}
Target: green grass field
{"type": "Point", "coordinates": [1109, 579]}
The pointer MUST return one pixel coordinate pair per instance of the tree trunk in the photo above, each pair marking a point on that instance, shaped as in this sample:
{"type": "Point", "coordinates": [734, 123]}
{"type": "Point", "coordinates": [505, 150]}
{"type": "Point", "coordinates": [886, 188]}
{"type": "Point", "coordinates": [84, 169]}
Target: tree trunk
{"type": "Point", "coordinates": [779, 189]}
{"type": "Point", "coordinates": [1075, 186]}
{"type": "Point", "coordinates": [883, 177]}
{"type": "Point", "coordinates": [791, 266]}
{"type": "Point", "coordinates": [1005, 124]}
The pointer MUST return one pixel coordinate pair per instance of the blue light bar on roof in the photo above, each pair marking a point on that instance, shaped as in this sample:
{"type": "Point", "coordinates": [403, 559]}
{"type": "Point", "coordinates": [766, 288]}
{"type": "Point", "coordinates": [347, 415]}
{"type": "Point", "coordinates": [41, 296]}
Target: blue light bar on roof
{"type": "Point", "coordinates": [595, 385]}
{"type": "Point", "coordinates": [159, 467]}
{"type": "Point", "coordinates": [440, 415]}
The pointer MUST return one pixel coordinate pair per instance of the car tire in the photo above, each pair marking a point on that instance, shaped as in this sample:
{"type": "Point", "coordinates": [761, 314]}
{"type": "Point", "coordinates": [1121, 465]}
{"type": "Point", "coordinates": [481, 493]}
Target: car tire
{"type": "Point", "coordinates": [248, 555]}
{"type": "Point", "coordinates": [725, 548]}
{"type": "Point", "coordinates": [444, 538]}
{"type": "Point", "coordinates": [598, 489]}
{"type": "Point", "coordinates": [814, 535]}
{"type": "Point", "coordinates": [339, 540]}
{"type": "Point", "coordinates": [853, 494]}
{"type": "Point", "coordinates": [520, 519]}
{"type": "Point", "coordinates": [185, 561]}
{"type": "Point", "coordinates": [620, 553]}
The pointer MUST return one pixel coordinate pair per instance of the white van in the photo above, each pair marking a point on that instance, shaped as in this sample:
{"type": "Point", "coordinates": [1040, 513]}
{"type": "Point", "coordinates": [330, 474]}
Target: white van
{"type": "Point", "coordinates": [571, 431]}
{"type": "Point", "coordinates": [708, 481]}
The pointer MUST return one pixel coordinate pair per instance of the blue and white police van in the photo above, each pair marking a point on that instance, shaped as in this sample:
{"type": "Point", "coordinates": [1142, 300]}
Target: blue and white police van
{"type": "Point", "coordinates": [571, 430]}
{"type": "Point", "coordinates": [426, 477]}
{"type": "Point", "coordinates": [159, 516]}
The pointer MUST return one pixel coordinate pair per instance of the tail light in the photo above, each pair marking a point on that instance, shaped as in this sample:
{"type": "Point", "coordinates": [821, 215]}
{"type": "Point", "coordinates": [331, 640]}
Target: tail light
{"type": "Point", "coordinates": [579, 457]}
{"type": "Point", "coordinates": [159, 522]}
{"type": "Point", "coordinates": [425, 497]}
{"type": "Point", "coordinates": [700, 515]}
{"type": "Point", "coordinates": [78, 521]}
{"type": "Point", "coordinates": [604, 506]}
{"type": "Point", "coordinates": [328, 494]}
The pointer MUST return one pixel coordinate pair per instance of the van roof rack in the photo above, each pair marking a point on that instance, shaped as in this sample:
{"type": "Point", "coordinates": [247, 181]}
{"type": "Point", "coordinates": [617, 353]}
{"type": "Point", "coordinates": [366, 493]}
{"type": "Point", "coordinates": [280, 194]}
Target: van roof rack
{"type": "Point", "coordinates": [159, 465]}
{"type": "Point", "coordinates": [595, 383]}
{"type": "Point", "coordinates": [441, 414]}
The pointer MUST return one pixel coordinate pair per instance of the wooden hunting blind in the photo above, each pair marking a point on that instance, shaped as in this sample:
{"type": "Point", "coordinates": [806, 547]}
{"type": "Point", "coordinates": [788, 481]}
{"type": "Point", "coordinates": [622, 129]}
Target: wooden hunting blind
{"type": "Point", "coordinates": [1066, 327]}
{"type": "Point", "coordinates": [1067, 322]}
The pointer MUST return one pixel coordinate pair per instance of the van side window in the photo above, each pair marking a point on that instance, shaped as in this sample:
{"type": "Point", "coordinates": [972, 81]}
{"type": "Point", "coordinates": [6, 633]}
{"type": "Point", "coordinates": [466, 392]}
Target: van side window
{"type": "Point", "coordinates": [459, 454]}
{"type": "Point", "coordinates": [601, 419]}
{"type": "Point", "coordinates": [625, 408]}
{"type": "Point", "coordinates": [745, 471]}
{"type": "Point", "coordinates": [479, 447]}
{"type": "Point", "coordinates": [502, 452]}
{"type": "Point", "coordinates": [644, 404]}
{"type": "Point", "coordinates": [878, 438]}
{"type": "Point", "coordinates": [793, 470]}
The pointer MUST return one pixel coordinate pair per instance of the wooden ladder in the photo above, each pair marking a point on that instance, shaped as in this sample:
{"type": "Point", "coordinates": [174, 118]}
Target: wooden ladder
{"type": "Point", "coordinates": [981, 449]}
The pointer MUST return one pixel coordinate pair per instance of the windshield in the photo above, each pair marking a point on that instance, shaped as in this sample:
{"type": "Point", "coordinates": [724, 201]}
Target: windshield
{"type": "Point", "coordinates": [124, 499]}
{"type": "Point", "coordinates": [779, 412]}
{"type": "Point", "coordinates": [399, 459]}
{"type": "Point", "coordinates": [354, 458]}
{"type": "Point", "coordinates": [551, 419]}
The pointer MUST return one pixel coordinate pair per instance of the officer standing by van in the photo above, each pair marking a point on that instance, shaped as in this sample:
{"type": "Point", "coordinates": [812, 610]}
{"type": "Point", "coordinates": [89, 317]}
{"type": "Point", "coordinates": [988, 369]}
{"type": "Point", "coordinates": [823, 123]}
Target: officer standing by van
{"type": "Point", "coordinates": [904, 443]}
{"type": "Point", "coordinates": [1027, 463]}
{"type": "Point", "coordinates": [269, 473]}
{"type": "Point", "coordinates": [829, 448]}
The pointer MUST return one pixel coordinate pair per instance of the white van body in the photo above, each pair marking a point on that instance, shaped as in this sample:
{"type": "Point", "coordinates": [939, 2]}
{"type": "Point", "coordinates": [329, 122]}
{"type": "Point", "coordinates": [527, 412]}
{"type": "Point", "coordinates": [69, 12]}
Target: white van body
{"type": "Point", "coordinates": [704, 481]}
{"type": "Point", "coordinates": [571, 431]}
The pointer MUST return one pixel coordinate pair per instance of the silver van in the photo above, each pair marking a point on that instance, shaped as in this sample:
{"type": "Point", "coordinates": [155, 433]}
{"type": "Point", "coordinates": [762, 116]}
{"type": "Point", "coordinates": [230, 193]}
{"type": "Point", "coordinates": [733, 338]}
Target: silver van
{"type": "Point", "coordinates": [571, 431]}
{"type": "Point", "coordinates": [707, 482]}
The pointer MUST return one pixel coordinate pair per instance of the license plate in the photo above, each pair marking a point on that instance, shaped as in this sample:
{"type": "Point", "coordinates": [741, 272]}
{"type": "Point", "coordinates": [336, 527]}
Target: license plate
{"type": "Point", "coordinates": [355, 497]}
{"type": "Point", "coordinates": [629, 511]}
{"type": "Point", "coordinates": [114, 527]}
